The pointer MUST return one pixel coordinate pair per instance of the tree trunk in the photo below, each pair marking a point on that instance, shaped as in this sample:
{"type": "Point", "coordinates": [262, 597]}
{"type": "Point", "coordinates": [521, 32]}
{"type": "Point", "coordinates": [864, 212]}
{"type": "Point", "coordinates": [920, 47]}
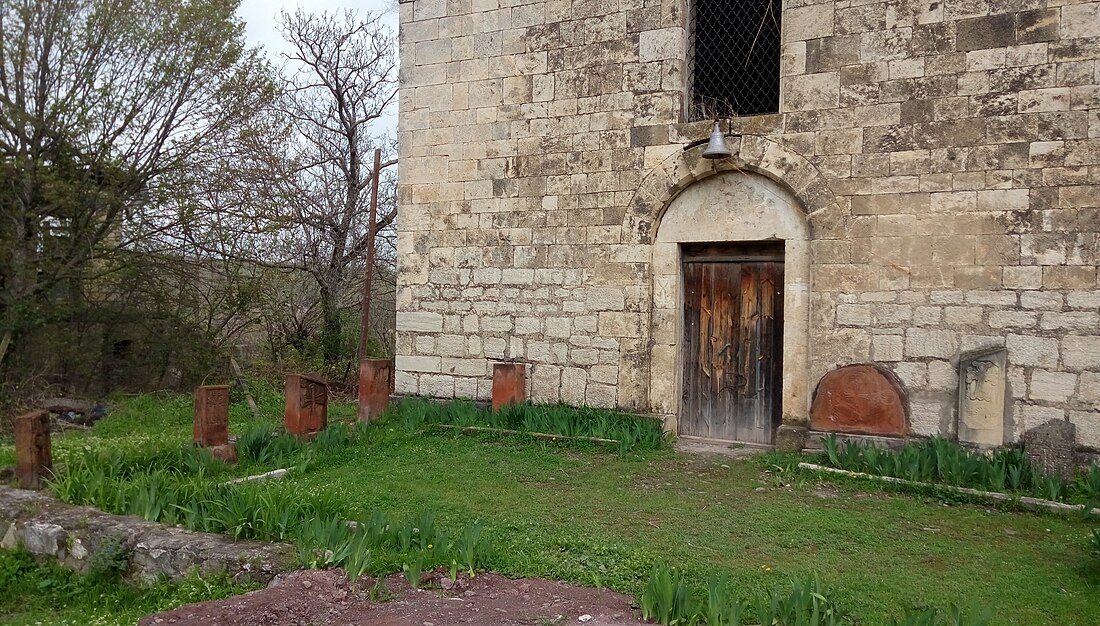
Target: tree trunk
{"type": "Point", "coordinates": [331, 327]}
{"type": "Point", "coordinates": [5, 341]}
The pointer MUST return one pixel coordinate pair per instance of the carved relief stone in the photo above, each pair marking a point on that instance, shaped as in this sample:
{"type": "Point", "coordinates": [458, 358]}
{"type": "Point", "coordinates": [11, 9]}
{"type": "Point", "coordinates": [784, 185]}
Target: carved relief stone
{"type": "Point", "coordinates": [509, 384]}
{"type": "Point", "coordinates": [375, 387]}
{"type": "Point", "coordinates": [1053, 447]}
{"type": "Point", "coordinates": [982, 397]}
{"type": "Point", "coordinates": [860, 399]}
{"type": "Point", "coordinates": [306, 411]}
{"type": "Point", "coordinates": [211, 427]}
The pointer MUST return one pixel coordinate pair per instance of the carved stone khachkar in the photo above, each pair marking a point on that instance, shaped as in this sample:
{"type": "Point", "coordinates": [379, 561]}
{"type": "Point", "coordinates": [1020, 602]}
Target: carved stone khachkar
{"type": "Point", "coordinates": [1053, 447]}
{"type": "Point", "coordinates": [859, 399]}
{"type": "Point", "coordinates": [33, 451]}
{"type": "Point", "coordinates": [982, 397]}
{"type": "Point", "coordinates": [306, 405]}
{"type": "Point", "coordinates": [211, 427]}
{"type": "Point", "coordinates": [509, 384]}
{"type": "Point", "coordinates": [375, 387]}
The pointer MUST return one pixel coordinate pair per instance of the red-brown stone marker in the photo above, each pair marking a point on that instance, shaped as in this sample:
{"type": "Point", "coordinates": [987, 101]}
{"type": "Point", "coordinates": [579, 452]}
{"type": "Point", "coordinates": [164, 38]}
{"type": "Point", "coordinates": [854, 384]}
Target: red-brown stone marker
{"type": "Point", "coordinates": [859, 399]}
{"type": "Point", "coordinates": [33, 454]}
{"type": "Point", "coordinates": [306, 405]}
{"type": "Point", "coordinates": [375, 387]}
{"type": "Point", "coordinates": [509, 384]}
{"type": "Point", "coordinates": [212, 415]}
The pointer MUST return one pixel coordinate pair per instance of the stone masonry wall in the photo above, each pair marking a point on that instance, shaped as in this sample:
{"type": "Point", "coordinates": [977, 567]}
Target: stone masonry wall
{"type": "Point", "coordinates": [951, 182]}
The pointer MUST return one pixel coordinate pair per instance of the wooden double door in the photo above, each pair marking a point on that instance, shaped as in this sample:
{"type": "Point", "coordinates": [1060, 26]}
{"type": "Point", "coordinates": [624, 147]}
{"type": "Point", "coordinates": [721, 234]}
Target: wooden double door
{"type": "Point", "coordinates": [733, 341]}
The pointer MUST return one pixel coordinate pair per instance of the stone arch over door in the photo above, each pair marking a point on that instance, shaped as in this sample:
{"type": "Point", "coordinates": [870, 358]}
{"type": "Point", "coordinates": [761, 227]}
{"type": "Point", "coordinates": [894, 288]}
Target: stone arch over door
{"type": "Point", "coordinates": [766, 193]}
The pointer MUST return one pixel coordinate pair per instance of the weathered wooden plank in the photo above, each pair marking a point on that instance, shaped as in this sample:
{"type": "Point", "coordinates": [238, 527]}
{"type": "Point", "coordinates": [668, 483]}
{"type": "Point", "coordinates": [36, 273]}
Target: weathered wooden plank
{"type": "Point", "coordinates": [732, 344]}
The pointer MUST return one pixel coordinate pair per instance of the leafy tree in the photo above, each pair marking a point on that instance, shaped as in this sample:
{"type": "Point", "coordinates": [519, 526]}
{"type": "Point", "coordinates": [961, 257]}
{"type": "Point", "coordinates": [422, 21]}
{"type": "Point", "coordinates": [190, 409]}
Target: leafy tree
{"type": "Point", "coordinates": [102, 104]}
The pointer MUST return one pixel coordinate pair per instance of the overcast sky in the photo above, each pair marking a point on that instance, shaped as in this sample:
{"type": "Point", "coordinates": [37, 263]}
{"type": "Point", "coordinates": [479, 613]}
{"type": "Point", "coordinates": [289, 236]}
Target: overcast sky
{"type": "Point", "coordinates": [260, 27]}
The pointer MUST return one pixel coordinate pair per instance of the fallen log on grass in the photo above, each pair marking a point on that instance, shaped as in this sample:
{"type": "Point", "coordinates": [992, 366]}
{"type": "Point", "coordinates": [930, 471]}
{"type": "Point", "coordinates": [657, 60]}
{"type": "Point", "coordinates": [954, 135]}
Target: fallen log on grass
{"type": "Point", "coordinates": [1027, 501]}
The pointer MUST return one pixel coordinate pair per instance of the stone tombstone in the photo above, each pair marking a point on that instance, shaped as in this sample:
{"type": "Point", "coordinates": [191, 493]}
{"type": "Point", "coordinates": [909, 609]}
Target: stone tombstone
{"type": "Point", "coordinates": [33, 451]}
{"type": "Point", "coordinates": [212, 415]}
{"type": "Point", "coordinates": [982, 397]}
{"type": "Point", "coordinates": [375, 387]}
{"type": "Point", "coordinates": [306, 405]}
{"type": "Point", "coordinates": [860, 399]}
{"type": "Point", "coordinates": [509, 384]}
{"type": "Point", "coordinates": [1053, 447]}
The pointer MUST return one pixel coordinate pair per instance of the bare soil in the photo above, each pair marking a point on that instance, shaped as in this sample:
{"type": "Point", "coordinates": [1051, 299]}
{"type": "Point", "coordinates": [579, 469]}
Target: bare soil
{"type": "Point", "coordinates": [325, 597]}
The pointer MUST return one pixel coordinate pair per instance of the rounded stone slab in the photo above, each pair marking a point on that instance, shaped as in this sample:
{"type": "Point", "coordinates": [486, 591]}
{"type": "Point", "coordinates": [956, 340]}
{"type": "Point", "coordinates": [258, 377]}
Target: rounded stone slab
{"type": "Point", "coordinates": [860, 399]}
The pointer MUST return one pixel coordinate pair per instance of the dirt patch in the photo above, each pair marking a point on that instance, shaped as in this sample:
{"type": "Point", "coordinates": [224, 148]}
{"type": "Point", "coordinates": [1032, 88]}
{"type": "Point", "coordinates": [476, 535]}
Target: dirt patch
{"type": "Point", "coordinates": [326, 597]}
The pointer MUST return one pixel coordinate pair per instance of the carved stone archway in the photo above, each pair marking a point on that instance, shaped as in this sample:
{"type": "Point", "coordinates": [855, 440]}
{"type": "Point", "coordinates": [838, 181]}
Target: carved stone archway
{"type": "Point", "coordinates": [766, 192]}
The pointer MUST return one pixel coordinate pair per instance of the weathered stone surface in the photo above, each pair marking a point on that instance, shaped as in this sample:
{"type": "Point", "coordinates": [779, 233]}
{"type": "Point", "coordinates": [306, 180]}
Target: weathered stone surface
{"type": "Point", "coordinates": [73, 535]}
{"type": "Point", "coordinates": [306, 411]}
{"type": "Point", "coordinates": [982, 388]}
{"type": "Point", "coordinates": [33, 451]}
{"type": "Point", "coordinates": [211, 427]}
{"type": "Point", "coordinates": [509, 384]}
{"type": "Point", "coordinates": [376, 385]}
{"type": "Point", "coordinates": [941, 156]}
{"type": "Point", "coordinates": [860, 399]}
{"type": "Point", "coordinates": [1052, 446]}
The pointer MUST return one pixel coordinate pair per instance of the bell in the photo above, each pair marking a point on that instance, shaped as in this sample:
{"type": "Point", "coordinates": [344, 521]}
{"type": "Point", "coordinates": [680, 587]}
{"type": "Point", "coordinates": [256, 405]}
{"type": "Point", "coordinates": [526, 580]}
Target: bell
{"type": "Point", "coordinates": [716, 147]}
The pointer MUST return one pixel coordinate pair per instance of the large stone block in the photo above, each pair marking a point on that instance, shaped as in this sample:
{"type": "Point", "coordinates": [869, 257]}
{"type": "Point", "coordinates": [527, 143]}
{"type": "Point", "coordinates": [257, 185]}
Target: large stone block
{"type": "Point", "coordinates": [306, 412]}
{"type": "Point", "coordinates": [920, 342]}
{"type": "Point", "coordinates": [509, 384]}
{"type": "Point", "coordinates": [1053, 447]}
{"type": "Point", "coordinates": [860, 399]}
{"type": "Point", "coordinates": [376, 385]}
{"type": "Point", "coordinates": [982, 392]}
{"type": "Point", "coordinates": [1034, 351]}
{"type": "Point", "coordinates": [211, 423]}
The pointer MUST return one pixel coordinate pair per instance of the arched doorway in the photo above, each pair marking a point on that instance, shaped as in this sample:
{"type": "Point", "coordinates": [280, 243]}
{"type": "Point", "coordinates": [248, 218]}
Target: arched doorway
{"type": "Point", "coordinates": [731, 267]}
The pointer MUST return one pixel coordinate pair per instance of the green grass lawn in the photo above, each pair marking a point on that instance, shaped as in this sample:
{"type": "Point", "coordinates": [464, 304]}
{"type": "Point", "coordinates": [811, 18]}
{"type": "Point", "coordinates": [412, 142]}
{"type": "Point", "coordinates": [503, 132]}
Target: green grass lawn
{"type": "Point", "coordinates": [594, 517]}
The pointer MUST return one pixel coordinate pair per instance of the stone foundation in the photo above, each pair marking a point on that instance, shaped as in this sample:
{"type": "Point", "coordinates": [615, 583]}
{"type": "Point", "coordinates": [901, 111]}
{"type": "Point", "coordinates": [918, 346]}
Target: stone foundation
{"type": "Point", "coordinates": [72, 535]}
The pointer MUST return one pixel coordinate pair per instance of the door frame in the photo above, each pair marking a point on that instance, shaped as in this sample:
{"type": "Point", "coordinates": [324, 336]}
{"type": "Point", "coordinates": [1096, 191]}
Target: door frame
{"type": "Point", "coordinates": [740, 253]}
{"type": "Point", "coordinates": [729, 208]}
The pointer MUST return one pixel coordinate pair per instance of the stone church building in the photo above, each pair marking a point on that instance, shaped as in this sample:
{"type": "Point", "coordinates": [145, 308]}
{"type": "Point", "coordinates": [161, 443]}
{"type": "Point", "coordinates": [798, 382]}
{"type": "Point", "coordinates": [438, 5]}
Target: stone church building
{"type": "Point", "coordinates": [911, 183]}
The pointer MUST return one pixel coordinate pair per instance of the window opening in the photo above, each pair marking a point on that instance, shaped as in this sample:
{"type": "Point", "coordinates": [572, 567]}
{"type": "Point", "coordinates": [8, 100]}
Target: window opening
{"type": "Point", "coordinates": [733, 58]}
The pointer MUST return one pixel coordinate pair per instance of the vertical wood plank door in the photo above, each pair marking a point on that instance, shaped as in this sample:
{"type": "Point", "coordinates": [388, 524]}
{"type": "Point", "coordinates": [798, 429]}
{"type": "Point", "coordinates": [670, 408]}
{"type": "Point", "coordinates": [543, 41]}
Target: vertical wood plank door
{"type": "Point", "coordinates": [733, 342]}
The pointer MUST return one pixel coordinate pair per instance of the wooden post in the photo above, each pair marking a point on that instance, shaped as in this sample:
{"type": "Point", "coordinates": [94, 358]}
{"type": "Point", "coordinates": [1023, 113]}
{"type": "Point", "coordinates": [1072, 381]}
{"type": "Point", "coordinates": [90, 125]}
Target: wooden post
{"type": "Point", "coordinates": [509, 384]}
{"type": "Point", "coordinates": [368, 279]}
{"type": "Point", "coordinates": [33, 451]}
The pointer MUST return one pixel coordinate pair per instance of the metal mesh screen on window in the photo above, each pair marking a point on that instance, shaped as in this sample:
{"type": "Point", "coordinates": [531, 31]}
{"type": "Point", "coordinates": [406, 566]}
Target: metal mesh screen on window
{"type": "Point", "coordinates": [733, 60]}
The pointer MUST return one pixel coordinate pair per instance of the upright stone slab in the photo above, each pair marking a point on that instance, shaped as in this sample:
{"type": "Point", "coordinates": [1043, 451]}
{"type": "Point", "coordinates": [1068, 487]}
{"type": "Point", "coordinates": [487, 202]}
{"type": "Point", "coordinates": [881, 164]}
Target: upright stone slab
{"type": "Point", "coordinates": [306, 405]}
{"type": "Point", "coordinates": [212, 415]}
{"type": "Point", "coordinates": [375, 387]}
{"type": "Point", "coordinates": [982, 397]}
{"type": "Point", "coordinates": [859, 399]}
{"type": "Point", "coordinates": [1053, 447]}
{"type": "Point", "coordinates": [509, 384]}
{"type": "Point", "coordinates": [33, 452]}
